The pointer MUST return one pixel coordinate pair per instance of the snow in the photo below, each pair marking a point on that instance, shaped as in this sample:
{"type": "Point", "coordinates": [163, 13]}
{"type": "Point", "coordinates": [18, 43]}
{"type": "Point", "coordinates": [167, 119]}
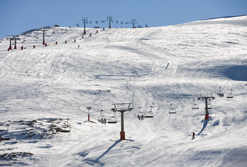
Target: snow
{"type": "Point", "coordinates": [43, 86]}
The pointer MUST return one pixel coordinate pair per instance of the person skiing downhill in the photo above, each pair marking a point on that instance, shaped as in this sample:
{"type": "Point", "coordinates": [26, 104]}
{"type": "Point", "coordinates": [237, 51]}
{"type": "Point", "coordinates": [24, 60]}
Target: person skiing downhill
{"type": "Point", "coordinates": [193, 135]}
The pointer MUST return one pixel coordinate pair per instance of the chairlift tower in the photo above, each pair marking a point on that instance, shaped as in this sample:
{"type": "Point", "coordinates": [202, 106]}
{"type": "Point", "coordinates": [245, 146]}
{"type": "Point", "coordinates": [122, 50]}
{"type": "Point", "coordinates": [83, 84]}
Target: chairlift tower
{"type": "Point", "coordinates": [43, 35]}
{"type": "Point", "coordinates": [133, 22]}
{"type": "Point", "coordinates": [110, 20]}
{"type": "Point", "coordinates": [13, 38]}
{"type": "Point", "coordinates": [206, 97]}
{"type": "Point", "coordinates": [122, 107]}
{"type": "Point", "coordinates": [84, 19]}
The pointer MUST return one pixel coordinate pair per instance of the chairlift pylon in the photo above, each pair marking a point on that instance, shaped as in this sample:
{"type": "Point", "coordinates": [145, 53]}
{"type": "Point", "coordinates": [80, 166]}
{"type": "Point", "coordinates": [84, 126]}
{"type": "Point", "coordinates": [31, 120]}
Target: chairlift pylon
{"type": "Point", "coordinates": [195, 105]}
{"type": "Point", "coordinates": [172, 109]}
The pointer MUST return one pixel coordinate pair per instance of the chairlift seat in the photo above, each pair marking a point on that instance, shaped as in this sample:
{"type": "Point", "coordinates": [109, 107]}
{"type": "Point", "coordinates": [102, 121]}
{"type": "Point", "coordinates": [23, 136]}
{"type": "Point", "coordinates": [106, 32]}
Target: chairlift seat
{"type": "Point", "coordinates": [149, 116]}
{"type": "Point", "coordinates": [229, 95]}
{"type": "Point", "coordinates": [112, 120]}
{"type": "Point", "coordinates": [220, 94]}
{"type": "Point", "coordinates": [195, 106]}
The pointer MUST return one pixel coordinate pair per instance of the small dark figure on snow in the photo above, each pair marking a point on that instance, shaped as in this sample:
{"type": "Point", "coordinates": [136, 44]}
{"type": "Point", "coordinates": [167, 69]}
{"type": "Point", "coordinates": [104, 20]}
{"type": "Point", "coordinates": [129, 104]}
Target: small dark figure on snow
{"type": "Point", "coordinates": [193, 135]}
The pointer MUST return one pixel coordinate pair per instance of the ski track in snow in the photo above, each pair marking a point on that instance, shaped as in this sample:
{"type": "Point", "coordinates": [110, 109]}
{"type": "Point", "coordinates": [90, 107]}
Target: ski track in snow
{"type": "Point", "coordinates": [147, 67]}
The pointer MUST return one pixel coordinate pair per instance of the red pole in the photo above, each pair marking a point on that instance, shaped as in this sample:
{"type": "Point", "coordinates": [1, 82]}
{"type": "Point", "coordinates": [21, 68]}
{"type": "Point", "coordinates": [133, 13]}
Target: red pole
{"type": "Point", "coordinates": [74, 40]}
{"type": "Point", "coordinates": [82, 37]}
{"type": "Point", "coordinates": [56, 43]}
{"type": "Point", "coordinates": [122, 136]}
{"type": "Point", "coordinates": [22, 48]}
{"type": "Point", "coordinates": [88, 117]}
{"type": "Point", "coordinates": [65, 42]}
{"type": "Point", "coordinates": [33, 46]}
{"type": "Point", "coordinates": [90, 34]}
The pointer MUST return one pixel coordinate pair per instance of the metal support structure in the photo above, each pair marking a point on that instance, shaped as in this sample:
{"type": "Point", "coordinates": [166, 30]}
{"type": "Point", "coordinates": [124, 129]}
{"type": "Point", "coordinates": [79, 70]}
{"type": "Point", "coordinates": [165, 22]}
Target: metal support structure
{"type": "Point", "coordinates": [133, 22]}
{"type": "Point", "coordinates": [13, 38]}
{"type": "Point", "coordinates": [43, 35]}
{"type": "Point", "coordinates": [110, 20]}
{"type": "Point", "coordinates": [84, 19]}
{"type": "Point", "coordinates": [206, 98]}
{"type": "Point", "coordinates": [122, 110]}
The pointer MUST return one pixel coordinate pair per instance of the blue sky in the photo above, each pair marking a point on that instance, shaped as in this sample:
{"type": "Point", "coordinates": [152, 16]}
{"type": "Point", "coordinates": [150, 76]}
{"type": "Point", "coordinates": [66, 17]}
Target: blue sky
{"type": "Point", "coordinates": [17, 16]}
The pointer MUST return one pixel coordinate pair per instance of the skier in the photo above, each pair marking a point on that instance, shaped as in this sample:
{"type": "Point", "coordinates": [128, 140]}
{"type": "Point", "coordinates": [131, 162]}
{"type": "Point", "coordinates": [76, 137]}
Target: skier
{"type": "Point", "coordinates": [193, 135]}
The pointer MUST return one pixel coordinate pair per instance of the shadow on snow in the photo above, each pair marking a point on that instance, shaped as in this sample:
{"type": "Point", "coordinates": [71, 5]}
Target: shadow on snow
{"type": "Point", "coordinates": [96, 161]}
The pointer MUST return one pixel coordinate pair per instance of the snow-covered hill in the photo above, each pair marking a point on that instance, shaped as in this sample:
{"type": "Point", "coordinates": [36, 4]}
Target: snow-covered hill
{"type": "Point", "coordinates": [146, 67]}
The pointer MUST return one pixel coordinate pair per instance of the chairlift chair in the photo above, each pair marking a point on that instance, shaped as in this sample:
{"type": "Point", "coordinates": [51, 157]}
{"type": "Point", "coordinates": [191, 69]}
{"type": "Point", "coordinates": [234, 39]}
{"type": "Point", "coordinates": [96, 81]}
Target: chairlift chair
{"type": "Point", "coordinates": [172, 110]}
{"type": "Point", "coordinates": [140, 115]}
{"type": "Point", "coordinates": [195, 105]}
{"type": "Point", "coordinates": [229, 95]}
{"type": "Point", "coordinates": [102, 119]}
{"type": "Point", "coordinates": [126, 22]}
{"type": "Point", "coordinates": [96, 21]}
{"type": "Point", "coordinates": [149, 114]}
{"type": "Point", "coordinates": [220, 94]}
{"type": "Point", "coordinates": [209, 104]}
{"type": "Point", "coordinates": [112, 119]}
{"type": "Point", "coordinates": [121, 22]}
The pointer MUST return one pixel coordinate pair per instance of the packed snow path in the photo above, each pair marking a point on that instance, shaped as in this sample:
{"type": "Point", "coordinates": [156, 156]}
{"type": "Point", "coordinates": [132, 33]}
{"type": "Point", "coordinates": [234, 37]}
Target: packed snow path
{"type": "Point", "coordinates": [128, 65]}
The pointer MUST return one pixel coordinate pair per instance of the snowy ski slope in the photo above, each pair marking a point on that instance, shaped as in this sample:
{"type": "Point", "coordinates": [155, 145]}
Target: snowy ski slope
{"type": "Point", "coordinates": [127, 65]}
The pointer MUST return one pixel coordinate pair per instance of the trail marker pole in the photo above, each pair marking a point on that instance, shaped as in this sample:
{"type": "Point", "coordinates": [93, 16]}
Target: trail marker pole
{"type": "Point", "coordinates": [88, 108]}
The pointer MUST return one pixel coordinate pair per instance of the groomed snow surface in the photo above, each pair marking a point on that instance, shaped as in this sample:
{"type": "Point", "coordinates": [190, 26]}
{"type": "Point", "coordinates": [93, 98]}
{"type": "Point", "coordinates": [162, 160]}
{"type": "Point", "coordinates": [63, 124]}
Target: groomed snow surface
{"type": "Point", "coordinates": [43, 86]}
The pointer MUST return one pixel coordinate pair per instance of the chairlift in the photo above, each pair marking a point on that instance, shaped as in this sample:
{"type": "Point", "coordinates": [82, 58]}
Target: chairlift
{"type": "Point", "coordinates": [106, 19]}
{"type": "Point", "coordinates": [195, 105]}
{"type": "Point", "coordinates": [117, 21]}
{"type": "Point", "coordinates": [229, 95]}
{"type": "Point", "coordinates": [96, 21]}
{"type": "Point", "coordinates": [112, 119]}
{"type": "Point", "coordinates": [121, 22]}
{"type": "Point", "coordinates": [149, 114]}
{"type": "Point", "coordinates": [220, 94]}
{"type": "Point", "coordinates": [172, 110]}
{"type": "Point", "coordinates": [209, 104]}
{"type": "Point", "coordinates": [140, 115]}
{"type": "Point", "coordinates": [126, 22]}
{"type": "Point", "coordinates": [102, 119]}
{"type": "Point", "coordinates": [90, 22]}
